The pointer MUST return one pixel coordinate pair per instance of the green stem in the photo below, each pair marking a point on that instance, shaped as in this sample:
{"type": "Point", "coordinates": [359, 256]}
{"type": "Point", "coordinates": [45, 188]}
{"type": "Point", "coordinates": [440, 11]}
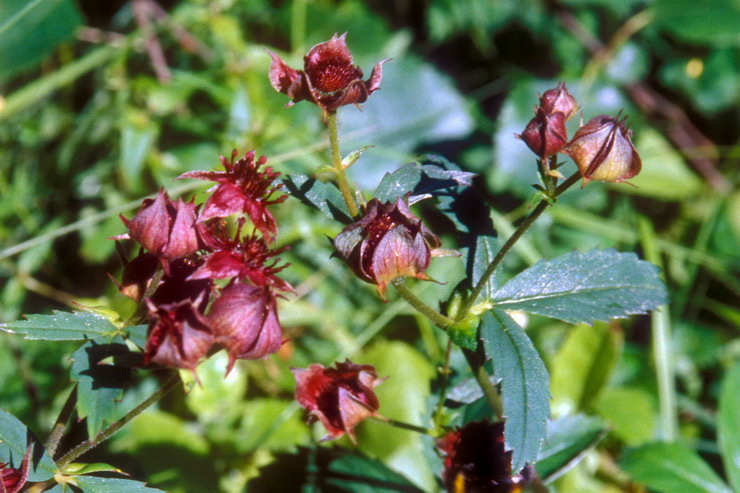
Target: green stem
{"type": "Point", "coordinates": [437, 318]}
{"type": "Point", "coordinates": [85, 446]}
{"type": "Point", "coordinates": [439, 412]}
{"type": "Point", "coordinates": [336, 160]}
{"type": "Point", "coordinates": [60, 425]}
{"type": "Point", "coordinates": [520, 230]}
{"type": "Point", "coordinates": [484, 381]}
{"type": "Point", "coordinates": [405, 426]}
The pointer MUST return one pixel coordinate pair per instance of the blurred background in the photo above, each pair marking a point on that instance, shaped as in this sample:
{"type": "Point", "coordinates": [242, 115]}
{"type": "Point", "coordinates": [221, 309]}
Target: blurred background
{"type": "Point", "coordinates": [103, 103]}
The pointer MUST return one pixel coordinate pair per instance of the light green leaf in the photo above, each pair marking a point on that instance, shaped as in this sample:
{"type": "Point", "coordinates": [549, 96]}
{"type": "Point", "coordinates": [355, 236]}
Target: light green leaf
{"type": "Point", "coordinates": [583, 366]}
{"type": "Point", "coordinates": [13, 446]}
{"type": "Point", "coordinates": [568, 440]}
{"type": "Point", "coordinates": [670, 468]}
{"type": "Point", "coordinates": [62, 326]}
{"type": "Point", "coordinates": [728, 424]}
{"type": "Point", "coordinates": [585, 287]}
{"type": "Point", "coordinates": [524, 384]}
{"type": "Point", "coordinates": [629, 412]}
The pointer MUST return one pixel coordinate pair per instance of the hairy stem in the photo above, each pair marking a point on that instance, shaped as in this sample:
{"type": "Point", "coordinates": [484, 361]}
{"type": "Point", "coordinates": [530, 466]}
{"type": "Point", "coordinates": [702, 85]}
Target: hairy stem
{"type": "Point", "coordinates": [85, 446]}
{"type": "Point", "coordinates": [57, 431]}
{"type": "Point", "coordinates": [520, 230]}
{"type": "Point", "coordinates": [405, 426]}
{"type": "Point", "coordinates": [437, 318]}
{"type": "Point", "coordinates": [336, 160]}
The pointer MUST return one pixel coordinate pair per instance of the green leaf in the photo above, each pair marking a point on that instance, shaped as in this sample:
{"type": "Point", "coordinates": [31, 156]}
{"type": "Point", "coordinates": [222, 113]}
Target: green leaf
{"type": "Point", "coordinates": [92, 484]}
{"type": "Point", "coordinates": [322, 196]}
{"type": "Point", "coordinates": [138, 134]}
{"type": "Point", "coordinates": [583, 365]}
{"type": "Point", "coordinates": [568, 440]}
{"type": "Point", "coordinates": [700, 21]}
{"type": "Point", "coordinates": [585, 287]}
{"type": "Point", "coordinates": [479, 257]}
{"type": "Point", "coordinates": [62, 326]}
{"type": "Point", "coordinates": [524, 384]}
{"type": "Point", "coordinates": [79, 469]}
{"type": "Point", "coordinates": [420, 179]}
{"type": "Point", "coordinates": [100, 386]}
{"type": "Point", "coordinates": [629, 412]}
{"type": "Point", "coordinates": [31, 29]}
{"type": "Point", "coordinates": [14, 438]}
{"type": "Point", "coordinates": [728, 425]}
{"type": "Point", "coordinates": [671, 467]}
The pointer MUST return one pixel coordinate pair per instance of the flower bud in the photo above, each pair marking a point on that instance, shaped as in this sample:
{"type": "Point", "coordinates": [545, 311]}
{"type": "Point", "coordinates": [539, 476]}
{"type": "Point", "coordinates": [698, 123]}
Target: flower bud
{"type": "Point", "coordinates": [13, 479]}
{"type": "Point", "coordinates": [387, 243]}
{"type": "Point", "coordinates": [245, 320]}
{"type": "Point", "coordinates": [179, 335]}
{"type": "Point", "coordinates": [603, 151]}
{"type": "Point", "coordinates": [329, 78]}
{"type": "Point", "coordinates": [559, 100]}
{"type": "Point", "coordinates": [545, 134]}
{"type": "Point", "coordinates": [340, 398]}
{"type": "Point", "coordinates": [475, 460]}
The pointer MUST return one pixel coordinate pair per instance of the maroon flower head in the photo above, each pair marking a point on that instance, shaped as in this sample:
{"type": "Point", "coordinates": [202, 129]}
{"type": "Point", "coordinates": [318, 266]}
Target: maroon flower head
{"type": "Point", "coordinates": [329, 78]}
{"type": "Point", "coordinates": [559, 100]}
{"type": "Point", "coordinates": [179, 335]}
{"type": "Point", "coordinates": [387, 243]}
{"type": "Point", "coordinates": [242, 188]}
{"type": "Point", "coordinates": [475, 460]}
{"type": "Point", "coordinates": [545, 134]}
{"type": "Point", "coordinates": [340, 398]}
{"type": "Point", "coordinates": [163, 227]}
{"type": "Point", "coordinates": [603, 150]}
{"type": "Point", "coordinates": [244, 319]}
{"type": "Point", "coordinates": [13, 479]}
{"type": "Point", "coordinates": [177, 286]}
{"type": "Point", "coordinates": [137, 275]}
{"type": "Point", "coordinates": [245, 258]}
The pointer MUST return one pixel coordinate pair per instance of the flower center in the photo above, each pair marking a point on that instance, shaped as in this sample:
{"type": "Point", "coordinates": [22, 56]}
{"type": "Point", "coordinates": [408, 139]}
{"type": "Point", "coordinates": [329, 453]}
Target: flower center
{"type": "Point", "coordinates": [333, 75]}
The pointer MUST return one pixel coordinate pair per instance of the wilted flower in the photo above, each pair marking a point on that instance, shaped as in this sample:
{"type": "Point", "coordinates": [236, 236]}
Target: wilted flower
{"type": "Point", "coordinates": [387, 243]}
{"type": "Point", "coordinates": [165, 228]}
{"type": "Point", "coordinates": [475, 460]}
{"type": "Point", "coordinates": [603, 151]}
{"type": "Point", "coordinates": [244, 319]}
{"type": "Point", "coordinates": [13, 479]}
{"type": "Point", "coordinates": [329, 78]}
{"type": "Point", "coordinates": [559, 100]}
{"type": "Point", "coordinates": [179, 335]}
{"type": "Point", "coordinates": [340, 398]}
{"type": "Point", "coordinates": [241, 257]}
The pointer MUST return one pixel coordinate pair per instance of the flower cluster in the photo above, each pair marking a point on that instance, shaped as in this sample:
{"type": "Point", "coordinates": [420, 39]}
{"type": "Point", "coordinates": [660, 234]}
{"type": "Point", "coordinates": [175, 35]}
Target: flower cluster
{"type": "Point", "coordinates": [187, 247]}
{"type": "Point", "coordinates": [602, 148]}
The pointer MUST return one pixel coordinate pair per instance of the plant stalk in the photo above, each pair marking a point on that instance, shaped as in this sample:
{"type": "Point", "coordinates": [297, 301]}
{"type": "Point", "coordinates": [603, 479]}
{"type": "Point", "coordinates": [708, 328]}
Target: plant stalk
{"type": "Point", "coordinates": [57, 431]}
{"type": "Point", "coordinates": [85, 446]}
{"type": "Point", "coordinates": [437, 318]}
{"type": "Point", "coordinates": [484, 381]}
{"type": "Point", "coordinates": [404, 426]}
{"type": "Point", "coordinates": [336, 160]}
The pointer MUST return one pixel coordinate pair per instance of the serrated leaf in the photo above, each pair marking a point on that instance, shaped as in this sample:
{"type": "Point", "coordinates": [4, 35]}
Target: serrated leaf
{"type": "Point", "coordinates": [92, 484]}
{"type": "Point", "coordinates": [62, 326]}
{"type": "Point", "coordinates": [524, 384]}
{"type": "Point", "coordinates": [100, 386]}
{"type": "Point", "coordinates": [480, 255]}
{"type": "Point", "coordinates": [420, 179]}
{"type": "Point", "coordinates": [671, 467]}
{"type": "Point", "coordinates": [728, 425]}
{"type": "Point", "coordinates": [568, 440]}
{"type": "Point", "coordinates": [585, 287]}
{"type": "Point", "coordinates": [322, 196]}
{"type": "Point", "coordinates": [14, 438]}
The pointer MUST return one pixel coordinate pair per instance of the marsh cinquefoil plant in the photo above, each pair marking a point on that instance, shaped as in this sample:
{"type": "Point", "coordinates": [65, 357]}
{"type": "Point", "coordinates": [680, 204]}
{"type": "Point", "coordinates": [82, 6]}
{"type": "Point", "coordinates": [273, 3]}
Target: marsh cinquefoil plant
{"type": "Point", "coordinates": [207, 277]}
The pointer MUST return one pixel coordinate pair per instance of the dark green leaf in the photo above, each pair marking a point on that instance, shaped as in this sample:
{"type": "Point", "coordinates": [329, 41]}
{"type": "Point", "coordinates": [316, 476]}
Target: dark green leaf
{"type": "Point", "coordinates": [100, 386]}
{"type": "Point", "coordinates": [399, 183]}
{"type": "Point", "coordinates": [323, 196]}
{"type": "Point", "coordinates": [728, 425]}
{"type": "Point", "coordinates": [92, 484]}
{"type": "Point", "coordinates": [568, 440]}
{"type": "Point", "coordinates": [137, 334]}
{"type": "Point", "coordinates": [705, 21]}
{"type": "Point", "coordinates": [670, 468]}
{"type": "Point", "coordinates": [524, 384]}
{"type": "Point", "coordinates": [420, 179]}
{"type": "Point", "coordinates": [62, 326]}
{"type": "Point", "coordinates": [585, 287]}
{"type": "Point", "coordinates": [479, 257]}
{"type": "Point", "coordinates": [31, 29]}
{"type": "Point", "coordinates": [14, 439]}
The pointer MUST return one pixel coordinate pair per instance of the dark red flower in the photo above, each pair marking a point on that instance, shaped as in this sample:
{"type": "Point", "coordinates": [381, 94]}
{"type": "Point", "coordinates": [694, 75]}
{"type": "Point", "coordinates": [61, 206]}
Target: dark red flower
{"type": "Point", "coordinates": [179, 335]}
{"type": "Point", "coordinates": [329, 78]}
{"type": "Point", "coordinates": [545, 134]}
{"type": "Point", "coordinates": [476, 461]}
{"type": "Point", "coordinates": [137, 275]}
{"type": "Point", "coordinates": [387, 243]}
{"type": "Point", "coordinates": [244, 319]}
{"type": "Point", "coordinates": [603, 150]}
{"type": "Point", "coordinates": [177, 285]}
{"type": "Point", "coordinates": [340, 398]}
{"type": "Point", "coordinates": [163, 227]}
{"type": "Point", "coordinates": [242, 188]}
{"type": "Point", "coordinates": [559, 100]}
{"type": "Point", "coordinates": [240, 257]}
{"type": "Point", "coordinates": [13, 479]}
